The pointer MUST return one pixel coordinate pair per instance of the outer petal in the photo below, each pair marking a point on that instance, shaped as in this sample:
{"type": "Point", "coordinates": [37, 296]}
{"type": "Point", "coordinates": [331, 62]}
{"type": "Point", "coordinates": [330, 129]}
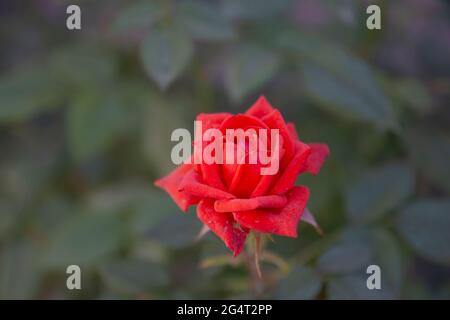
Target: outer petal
{"type": "Point", "coordinates": [266, 202]}
{"type": "Point", "coordinates": [293, 131]}
{"type": "Point", "coordinates": [290, 173]}
{"type": "Point", "coordinates": [192, 184]}
{"type": "Point", "coordinates": [171, 183]}
{"type": "Point", "coordinates": [319, 152]}
{"type": "Point", "coordinates": [222, 224]}
{"type": "Point", "coordinates": [282, 222]}
{"type": "Point", "coordinates": [260, 108]}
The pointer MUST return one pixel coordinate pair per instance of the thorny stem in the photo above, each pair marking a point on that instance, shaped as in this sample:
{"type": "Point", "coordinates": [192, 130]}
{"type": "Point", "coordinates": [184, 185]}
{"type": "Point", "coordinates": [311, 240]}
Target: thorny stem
{"type": "Point", "coordinates": [258, 248]}
{"type": "Point", "coordinates": [251, 261]}
{"type": "Point", "coordinates": [257, 283]}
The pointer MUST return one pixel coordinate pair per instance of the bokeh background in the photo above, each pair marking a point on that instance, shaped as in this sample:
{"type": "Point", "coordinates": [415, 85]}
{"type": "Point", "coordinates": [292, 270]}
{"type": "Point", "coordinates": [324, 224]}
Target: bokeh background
{"type": "Point", "coordinates": [85, 123]}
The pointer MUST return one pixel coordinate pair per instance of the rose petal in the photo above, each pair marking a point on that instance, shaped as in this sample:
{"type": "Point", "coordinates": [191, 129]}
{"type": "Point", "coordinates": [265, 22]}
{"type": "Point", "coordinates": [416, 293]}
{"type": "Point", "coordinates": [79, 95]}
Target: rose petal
{"type": "Point", "coordinates": [242, 121]}
{"type": "Point", "coordinates": [212, 120]}
{"type": "Point", "coordinates": [241, 179]}
{"type": "Point", "coordinates": [223, 225]}
{"type": "Point", "coordinates": [260, 108]}
{"type": "Point", "coordinates": [290, 173]}
{"type": "Point", "coordinates": [245, 180]}
{"type": "Point", "coordinates": [292, 131]}
{"type": "Point", "coordinates": [319, 152]}
{"type": "Point", "coordinates": [266, 202]}
{"type": "Point", "coordinates": [264, 185]}
{"type": "Point", "coordinates": [274, 120]}
{"type": "Point", "coordinates": [171, 184]}
{"type": "Point", "coordinates": [193, 185]}
{"type": "Point", "coordinates": [266, 181]}
{"type": "Point", "coordinates": [282, 222]}
{"type": "Point", "coordinates": [211, 172]}
{"type": "Point", "coordinates": [211, 175]}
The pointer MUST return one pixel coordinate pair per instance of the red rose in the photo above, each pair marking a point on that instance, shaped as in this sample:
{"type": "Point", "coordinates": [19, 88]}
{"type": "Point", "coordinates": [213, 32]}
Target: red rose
{"type": "Point", "coordinates": [234, 199]}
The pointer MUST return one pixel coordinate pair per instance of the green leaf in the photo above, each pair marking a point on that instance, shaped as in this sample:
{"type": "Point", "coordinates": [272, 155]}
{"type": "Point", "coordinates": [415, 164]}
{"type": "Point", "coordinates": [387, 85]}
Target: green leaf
{"type": "Point", "coordinates": [388, 257]}
{"type": "Point", "coordinates": [165, 54]}
{"type": "Point", "coordinates": [137, 16]}
{"type": "Point", "coordinates": [301, 284]}
{"type": "Point", "coordinates": [358, 248]}
{"type": "Point", "coordinates": [253, 9]}
{"type": "Point", "coordinates": [429, 149]}
{"type": "Point", "coordinates": [160, 117]}
{"type": "Point", "coordinates": [83, 66]}
{"type": "Point", "coordinates": [94, 123]}
{"type": "Point", "coordinates": [20, 271]}
{"type": "Point", "coordinates": [145, 205]}
{"type": "Point", "coordinates": [86, 239]}
{"type": "Point", "coordinates": [340, 82]}
{"type": "Point", "coordinates": [413, 93]}
{"type": "Point", "coordinates": [345, 257]}
{"type": "Point", "coordinates": [379, 191]}
{"type": "Point", "coordinates": [28, 91]}
{"type": "Point", "coordinates": [8, 216]}
{"type": "Point", "coordinates": [177, 230]}
{"type": "Point", "coordinates": [204, 21]}
{"type": "Point", "coordinates": [134, 276]}
{"type": "Point", "coordinates": [247, 68]}
{"type": "Point", "coordinates": [344, 95]}
{"type": "Point", "coordinates": [149, 211]}
{"type": "Point", "coordinates": [55, 209]}
{"type": "Point", "coordinates": [425, 226]}
{"type": "Point", "coordinates": [354, 287]}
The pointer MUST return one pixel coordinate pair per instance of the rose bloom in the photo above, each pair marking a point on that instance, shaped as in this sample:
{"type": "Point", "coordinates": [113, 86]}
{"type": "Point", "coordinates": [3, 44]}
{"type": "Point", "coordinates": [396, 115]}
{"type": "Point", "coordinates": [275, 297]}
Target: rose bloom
{"type": "Point", "coordinates": [233, 199]}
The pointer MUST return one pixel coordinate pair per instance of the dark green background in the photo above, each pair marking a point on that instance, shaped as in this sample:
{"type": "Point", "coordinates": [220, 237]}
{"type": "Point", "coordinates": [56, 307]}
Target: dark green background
{"type": "Point", "coordinates": [85, 123]}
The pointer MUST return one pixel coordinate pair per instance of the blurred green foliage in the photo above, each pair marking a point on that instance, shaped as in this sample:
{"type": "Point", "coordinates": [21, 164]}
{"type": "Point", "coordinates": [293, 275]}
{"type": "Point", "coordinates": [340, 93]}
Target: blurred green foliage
{"type": "Point", "coordinates": [85, 123]}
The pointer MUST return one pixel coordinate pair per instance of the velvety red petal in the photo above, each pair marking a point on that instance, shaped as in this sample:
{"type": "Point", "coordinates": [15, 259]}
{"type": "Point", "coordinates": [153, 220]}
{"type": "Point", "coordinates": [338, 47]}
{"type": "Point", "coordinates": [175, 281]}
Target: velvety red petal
{"type": "Point", "coordinates": [245, 180]}
{"type": "Point", "coordinates": [211, 172]}
{"type": "Point", "coordinates": [212, 120]}
{"type": "Point", "coordinates": [242, 121]}
{"type": "Point", "coordinates": [193, 185]}
{"type": "Point", "coordinates": [171, 184]}
{"type": "Point", "coordinates": [228, 173]}
{"type": "Point", "coordinates": [319, 152]}
{"type": "Point", "coordinates": [266, 181]}
{"type": "Point", "coordinates": [281, 222]}
{"type": "Point", "coordinates": [242, 179]}
{"type": "Point", "coordinates": [293, 131]}
{"type": "Point", "coordinates": [292, 170]}
{"type": "Point", "coordinates": [260, 108]}
{"type": "Point", "coordinates": [264, 185]}
{"type": "Point", "coordinates": [264, 202]}
{"type": "Point", "coordinates": [274, 120]}
{"type": "Point", "coordinates": [223, 225]}
{"type": "Point", "coordinates": [211, 175]}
